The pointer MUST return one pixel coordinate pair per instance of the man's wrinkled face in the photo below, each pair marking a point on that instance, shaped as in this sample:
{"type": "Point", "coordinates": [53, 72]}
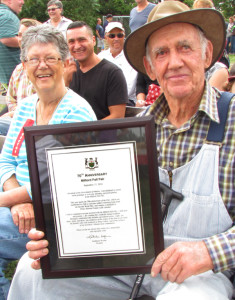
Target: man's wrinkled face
{"type": "Point", "coordinates": [177, 60]}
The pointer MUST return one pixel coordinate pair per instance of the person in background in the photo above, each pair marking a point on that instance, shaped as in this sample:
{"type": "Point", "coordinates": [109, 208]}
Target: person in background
{"type": "Point", "coordinates": [97, 80]}
{"type": "Point", "coordinates": [217, 75]}
{"type": "Point", "coordinates": [115, 37]}
{"type": "Point", "coordinates": [108, 19]}
{"type": "Point", "coordinates": [203, 4]}
{"type": "Point", "coordinates": [139, 14]}
{"type": "Point", "coordinates": [100, 35]}
{"type": "Point", "coordinates": [9, 45]}
{"type": "Point", "coordinates": [230, 86]}
{"type": "Point", "coordinates": [55, 12]}
{"type": "Point", "coordinates": [175, 47]}
{"type": "Point", "coordinates": [19, 86]}
{"type": "Point", "coordinates": [147, 90]}
{"type": "Point", "coordinates": [229, 34]}
{"type": "Point", "coordinates": [43, 54]}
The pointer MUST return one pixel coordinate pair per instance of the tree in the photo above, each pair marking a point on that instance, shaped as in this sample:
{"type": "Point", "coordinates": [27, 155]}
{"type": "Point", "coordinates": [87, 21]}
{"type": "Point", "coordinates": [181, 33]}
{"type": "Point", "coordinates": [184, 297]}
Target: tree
{"type": "Point", "coordinates": [226, 7]}
{"type": "Point", "coordinates": [116, 7]}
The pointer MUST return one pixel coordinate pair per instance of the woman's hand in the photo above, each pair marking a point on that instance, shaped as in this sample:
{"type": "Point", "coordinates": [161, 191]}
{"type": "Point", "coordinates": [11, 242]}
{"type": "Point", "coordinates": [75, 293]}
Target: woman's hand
{"type": "Point", "coordinates": [23, 216]}
{"type": "Point", "coordinates": [37, 247]}
{"type": "Point", "coordinates": [69, 68]}
{"type": "Point", "coordinates": [140, 103]}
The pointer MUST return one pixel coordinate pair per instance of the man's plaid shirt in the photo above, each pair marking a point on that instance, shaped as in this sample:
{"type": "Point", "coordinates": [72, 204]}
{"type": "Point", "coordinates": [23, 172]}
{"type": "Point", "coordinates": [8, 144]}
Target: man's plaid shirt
{"type": "Point", "coordinates": [177, 146]}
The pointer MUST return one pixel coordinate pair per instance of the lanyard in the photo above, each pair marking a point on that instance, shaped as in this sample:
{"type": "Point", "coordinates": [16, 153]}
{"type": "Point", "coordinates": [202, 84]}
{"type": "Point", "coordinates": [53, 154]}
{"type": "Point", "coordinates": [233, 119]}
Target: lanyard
{"type": "Point", "coordinates": [20, 138]}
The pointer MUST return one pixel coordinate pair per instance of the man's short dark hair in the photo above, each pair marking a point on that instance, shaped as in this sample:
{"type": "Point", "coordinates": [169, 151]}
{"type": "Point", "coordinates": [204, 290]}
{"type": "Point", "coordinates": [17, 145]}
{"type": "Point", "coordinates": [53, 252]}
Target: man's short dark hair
{"type": "Point", "coordinates": [80, 24]}
{"type": "Point", "coordinates": [109, 16]}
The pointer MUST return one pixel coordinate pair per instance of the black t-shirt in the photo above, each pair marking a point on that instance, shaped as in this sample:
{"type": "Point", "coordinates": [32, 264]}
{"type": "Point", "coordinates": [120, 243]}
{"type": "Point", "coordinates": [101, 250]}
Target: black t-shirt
{"type": "Point", "coordinates": [102, 86]}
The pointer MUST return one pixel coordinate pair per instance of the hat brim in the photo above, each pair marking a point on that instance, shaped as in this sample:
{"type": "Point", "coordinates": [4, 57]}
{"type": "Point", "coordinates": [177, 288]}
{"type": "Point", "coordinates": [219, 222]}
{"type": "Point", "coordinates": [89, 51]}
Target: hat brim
{"type": "Point", "coordinates": [209, 20]}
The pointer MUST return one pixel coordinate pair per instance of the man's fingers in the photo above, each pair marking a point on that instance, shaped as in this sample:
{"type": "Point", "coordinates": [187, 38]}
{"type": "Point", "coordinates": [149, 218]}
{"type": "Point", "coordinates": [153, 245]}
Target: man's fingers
{"type": "Point", "coordinates": [171, 268]}
{"type": "Point", "coordinates": [174, 273]}
{"type": "Point", "coordinates": [160, 261]}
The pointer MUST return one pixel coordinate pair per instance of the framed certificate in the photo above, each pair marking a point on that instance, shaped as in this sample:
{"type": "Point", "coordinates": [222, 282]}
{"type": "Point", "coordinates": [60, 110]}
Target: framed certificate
{"type": "Point", "coordinates": [95, 191]}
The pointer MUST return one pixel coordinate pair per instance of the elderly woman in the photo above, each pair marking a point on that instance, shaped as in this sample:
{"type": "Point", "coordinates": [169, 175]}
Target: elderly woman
{"type": "Point", "coordinates": [43, 54]}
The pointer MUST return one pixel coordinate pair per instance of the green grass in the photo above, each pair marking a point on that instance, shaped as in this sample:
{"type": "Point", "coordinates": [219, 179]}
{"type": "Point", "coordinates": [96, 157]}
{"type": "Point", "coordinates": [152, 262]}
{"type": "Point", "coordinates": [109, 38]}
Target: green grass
{"type": "Point", "coordinates": [10, 269]}
{"type": "Point", "coordinates": [232, 59]}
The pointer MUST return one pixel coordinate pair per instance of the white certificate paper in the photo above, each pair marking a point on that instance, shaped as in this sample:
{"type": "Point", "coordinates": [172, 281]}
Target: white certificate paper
{"type": "Point", "coordinates": [96, 200]}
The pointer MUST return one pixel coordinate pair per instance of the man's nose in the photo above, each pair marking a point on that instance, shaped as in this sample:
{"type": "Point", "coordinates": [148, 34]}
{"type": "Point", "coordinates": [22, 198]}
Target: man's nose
{"type": "Point", "coordinates": [175, 60]}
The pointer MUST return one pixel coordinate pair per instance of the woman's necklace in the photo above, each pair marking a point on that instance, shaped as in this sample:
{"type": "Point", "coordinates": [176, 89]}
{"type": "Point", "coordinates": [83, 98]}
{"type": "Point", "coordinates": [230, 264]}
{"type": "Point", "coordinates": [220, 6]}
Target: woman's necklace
{"type": "Point", "coordinates": [45, 122]}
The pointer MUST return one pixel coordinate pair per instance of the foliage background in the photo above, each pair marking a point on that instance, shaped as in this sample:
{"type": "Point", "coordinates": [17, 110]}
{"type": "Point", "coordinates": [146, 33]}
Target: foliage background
{"type": "Point", "coordinates": [90, 10]}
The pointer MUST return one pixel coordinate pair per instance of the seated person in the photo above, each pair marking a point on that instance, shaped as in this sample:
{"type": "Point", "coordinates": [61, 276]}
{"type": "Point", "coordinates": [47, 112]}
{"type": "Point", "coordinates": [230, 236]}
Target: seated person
{"type": "Point", "coordinates": [147, 90]}
{"type": "Point", "coordinates": [97, 80]}
{"type": "Point", "coordinates": [230, 86]}
{"type": "Point", "coordinates": [43, 54]}
{"type": "Point", "coordinates": [115, 37]}
{"type": "Point", "coordinates": [217, 75]}
{"type": "Point", "coordinates": [19, 85]}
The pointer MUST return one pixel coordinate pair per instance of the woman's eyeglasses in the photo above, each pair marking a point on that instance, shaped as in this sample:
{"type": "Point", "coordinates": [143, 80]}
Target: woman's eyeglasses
{"type": "Point", "coordinates": [50, 61]}
{"type": "Point", "coordinates": [52, 9]}
{"type": "Point", "coordinates": [119, 35]}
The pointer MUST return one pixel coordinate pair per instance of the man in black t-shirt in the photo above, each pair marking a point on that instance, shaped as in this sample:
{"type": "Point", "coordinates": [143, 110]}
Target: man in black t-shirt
{"type": "Point", "coordinates": [100, 82]}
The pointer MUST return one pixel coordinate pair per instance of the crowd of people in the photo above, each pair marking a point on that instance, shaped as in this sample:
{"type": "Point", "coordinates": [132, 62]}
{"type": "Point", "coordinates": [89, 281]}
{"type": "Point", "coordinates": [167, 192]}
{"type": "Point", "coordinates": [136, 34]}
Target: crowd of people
{"type": "Point", "coordinates": [176, 65]}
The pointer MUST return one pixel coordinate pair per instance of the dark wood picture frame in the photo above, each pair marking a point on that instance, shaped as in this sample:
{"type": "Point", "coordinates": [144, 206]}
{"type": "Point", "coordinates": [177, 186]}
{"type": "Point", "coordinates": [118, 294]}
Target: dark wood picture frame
{"type": "Point", "coordinates": [142, 131]}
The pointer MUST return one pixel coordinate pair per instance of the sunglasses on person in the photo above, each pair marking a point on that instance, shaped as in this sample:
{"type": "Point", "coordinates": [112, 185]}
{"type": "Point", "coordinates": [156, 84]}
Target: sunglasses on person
{"type": "Point", "coordinates": [118, 35]}
{"type": "Point", "coordinates": [52, 9]}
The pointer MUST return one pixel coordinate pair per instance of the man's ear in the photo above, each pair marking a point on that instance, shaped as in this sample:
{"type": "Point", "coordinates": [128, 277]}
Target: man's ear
{"type": "Point", "coordinates": [149, 69]}
{"type": "Point", "coordinates": [94, 40]}
{"type": "Point", "coordinates": [208, 54]}
{"type": "Point", "coordinates": [23, 64]}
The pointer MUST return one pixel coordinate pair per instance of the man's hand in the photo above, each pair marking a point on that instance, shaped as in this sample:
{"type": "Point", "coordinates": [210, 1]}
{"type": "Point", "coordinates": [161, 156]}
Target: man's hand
{"type": "Point", "coordinates": [69, 69]}
{"type": "Point", "coordinates": [182, 260]}
{"type": "Point", "coordinates": [23, 216]}
{"type": "Point", "coordinates": [37, 247]}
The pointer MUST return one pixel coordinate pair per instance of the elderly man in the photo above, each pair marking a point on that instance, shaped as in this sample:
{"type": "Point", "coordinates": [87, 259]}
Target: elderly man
{"type": "Point", "coordinates": [9, 45]}
{"type": "Point", "coordinates": [97, 80]}
{"type": "Point", "coordinates": [196, 158]}
{"type": "Point", "coordinates": [55, 12]}
{"type": "Point", "coordinates": [115, 36]}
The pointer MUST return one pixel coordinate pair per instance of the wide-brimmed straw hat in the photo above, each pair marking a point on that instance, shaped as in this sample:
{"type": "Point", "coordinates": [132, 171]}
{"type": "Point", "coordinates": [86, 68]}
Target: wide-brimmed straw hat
{"type": "Point", "coordinates": [209, 20]}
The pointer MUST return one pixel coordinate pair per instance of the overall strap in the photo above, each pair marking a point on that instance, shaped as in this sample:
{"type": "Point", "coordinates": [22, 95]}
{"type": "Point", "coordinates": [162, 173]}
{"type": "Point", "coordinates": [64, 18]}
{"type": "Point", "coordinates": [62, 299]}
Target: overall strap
{"type": "Point", "coordinates": [216, 130]}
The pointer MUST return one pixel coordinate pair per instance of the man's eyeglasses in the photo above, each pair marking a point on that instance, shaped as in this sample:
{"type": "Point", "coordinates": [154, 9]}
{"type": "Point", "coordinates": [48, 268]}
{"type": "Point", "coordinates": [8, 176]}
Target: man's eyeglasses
{"type": "Point", "coordinates": [52, 9]}
{"type": "Point", "coordinates": [50, 61]}
{"type": "Point", "coordinates": [119, 35]}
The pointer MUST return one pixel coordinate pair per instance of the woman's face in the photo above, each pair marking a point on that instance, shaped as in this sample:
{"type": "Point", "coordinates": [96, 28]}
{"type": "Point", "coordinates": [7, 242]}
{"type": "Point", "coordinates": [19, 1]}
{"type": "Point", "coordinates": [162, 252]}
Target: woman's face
{"type": "Point", "coordinates": [44, 67]}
